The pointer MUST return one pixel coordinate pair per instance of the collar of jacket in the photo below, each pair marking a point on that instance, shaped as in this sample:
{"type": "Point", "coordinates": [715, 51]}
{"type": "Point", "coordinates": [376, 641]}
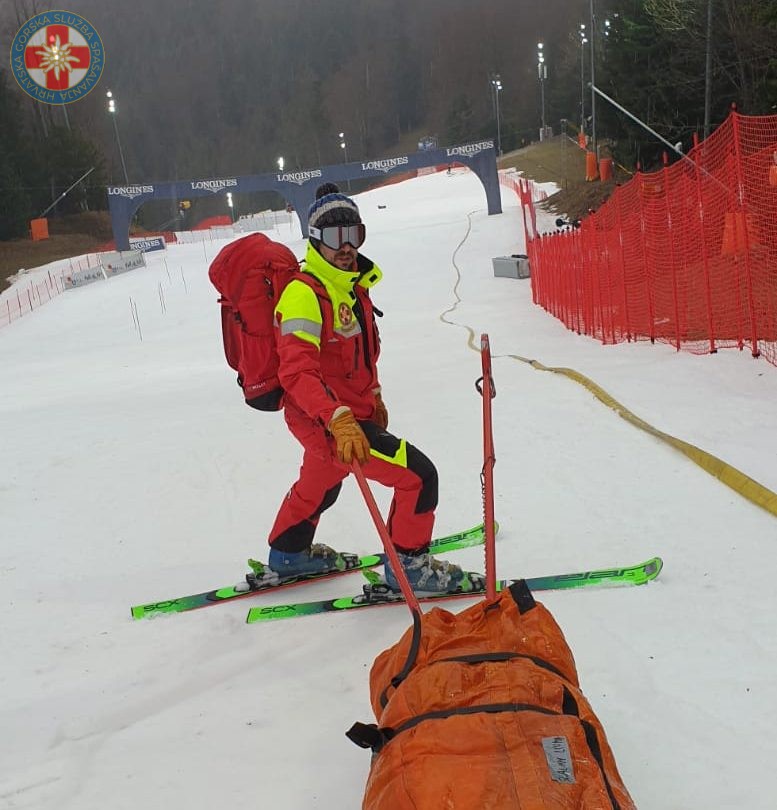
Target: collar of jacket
{"type": "Point", "coordinates": [367, 274]}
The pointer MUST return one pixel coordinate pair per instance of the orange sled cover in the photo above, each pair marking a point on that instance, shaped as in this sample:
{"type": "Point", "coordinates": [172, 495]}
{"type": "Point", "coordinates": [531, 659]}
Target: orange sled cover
{"type": "Point", "coordinates": [481, 710]}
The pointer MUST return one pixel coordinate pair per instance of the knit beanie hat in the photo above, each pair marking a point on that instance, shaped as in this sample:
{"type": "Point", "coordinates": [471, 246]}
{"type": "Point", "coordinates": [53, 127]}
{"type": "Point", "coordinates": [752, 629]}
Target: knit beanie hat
{"type": "Point", "coordinates": [332, 208]}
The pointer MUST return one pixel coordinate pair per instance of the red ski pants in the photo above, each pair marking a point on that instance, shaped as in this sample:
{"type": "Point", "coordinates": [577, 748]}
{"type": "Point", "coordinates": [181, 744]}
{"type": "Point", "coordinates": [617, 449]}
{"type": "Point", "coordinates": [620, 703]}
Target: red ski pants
{"type": "Point", "coordinates": [394, 463]}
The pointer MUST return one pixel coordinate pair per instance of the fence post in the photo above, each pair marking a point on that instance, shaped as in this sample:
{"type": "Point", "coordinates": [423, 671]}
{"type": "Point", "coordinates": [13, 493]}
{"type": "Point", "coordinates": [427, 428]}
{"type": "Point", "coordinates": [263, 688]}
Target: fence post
{"type": "Point", "coordinates": [619, 222]}
{"type": "Point", "coordinates": [744, 210]}
{"type": "Point", "coordinates": [588, 286]}
{"type": "Point", "coordinates": [558, 281]}
{"type": "Point", "coordinates": [704, 254]}
{"type": "Point", "coordinates": [577, 261]}
{"type": "Point", "coordinates": [597, 275]}
{"type": "Point", "coordinates": [670, 229]}
{"type": "Point", "coordinates": [567, 258]}
{"type": "Point", "coordinates": [643, 244]}
{"type": "Point", "coordinates": [609, 279]}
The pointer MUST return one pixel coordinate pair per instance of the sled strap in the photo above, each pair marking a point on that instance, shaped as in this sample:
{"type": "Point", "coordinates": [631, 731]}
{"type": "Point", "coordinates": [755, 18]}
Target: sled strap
{"type": "Point", "coordinates": [373, 737]}
{"type": "Point", "coordinates": [522, 596]}
{"type": "Point", "coordinates": [498, 657]}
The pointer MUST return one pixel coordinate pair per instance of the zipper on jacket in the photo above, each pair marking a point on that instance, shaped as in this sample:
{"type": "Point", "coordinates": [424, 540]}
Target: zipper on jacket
{"type": "Point", "coordinates": [359, 310]}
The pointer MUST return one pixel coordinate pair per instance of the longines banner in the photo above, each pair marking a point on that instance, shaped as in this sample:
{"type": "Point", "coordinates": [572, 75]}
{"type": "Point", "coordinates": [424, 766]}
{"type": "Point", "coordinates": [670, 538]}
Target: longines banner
{"type": "Point", "coordinates": [298, 188]}
{"type": "Point", "coordinates": [148, 244]}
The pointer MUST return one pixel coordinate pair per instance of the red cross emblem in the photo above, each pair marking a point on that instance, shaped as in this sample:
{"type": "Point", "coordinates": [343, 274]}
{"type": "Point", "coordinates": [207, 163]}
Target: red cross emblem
{"type": "Point", "coordinates": [346, 317]}
{"type": "Point", "coordinates": [57, 57]}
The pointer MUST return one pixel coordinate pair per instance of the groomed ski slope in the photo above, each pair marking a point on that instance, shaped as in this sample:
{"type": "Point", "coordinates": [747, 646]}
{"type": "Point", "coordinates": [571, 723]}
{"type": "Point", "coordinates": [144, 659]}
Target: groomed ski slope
{"type": "Point", "coordinates": [130, 471]}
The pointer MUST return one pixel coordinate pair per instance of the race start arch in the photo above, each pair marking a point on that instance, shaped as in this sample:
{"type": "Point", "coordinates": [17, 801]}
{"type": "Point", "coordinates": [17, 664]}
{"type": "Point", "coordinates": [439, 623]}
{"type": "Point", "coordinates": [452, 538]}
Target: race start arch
{"type": "Point", "coordinates": [299, 188]}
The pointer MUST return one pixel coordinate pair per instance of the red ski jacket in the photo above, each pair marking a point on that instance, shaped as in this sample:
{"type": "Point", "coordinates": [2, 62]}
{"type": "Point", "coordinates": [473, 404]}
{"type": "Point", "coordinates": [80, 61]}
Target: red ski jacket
{"type": "Point", "coordinates": [328, 340]}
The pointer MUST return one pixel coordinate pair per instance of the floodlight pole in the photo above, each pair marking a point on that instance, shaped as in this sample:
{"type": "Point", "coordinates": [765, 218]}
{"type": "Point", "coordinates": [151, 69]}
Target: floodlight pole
{"type": "Point", "coordinates": [113, 112]}
{"type": "Point", "coordinates": [708, 74]}
{"type": "Point", "coordinates": [593, 80]}
{"type": "Point", "coordinates": [121, 151]}
{"type": "Point", "coordinates": [496, 84]}
{"type": "Point", "coordinates": [542, 74]}
{"type": "Point", "coordinates": [582, 86]}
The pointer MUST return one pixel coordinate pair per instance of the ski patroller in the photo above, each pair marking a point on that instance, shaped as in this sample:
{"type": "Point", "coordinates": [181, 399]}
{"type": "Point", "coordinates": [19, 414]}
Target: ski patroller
{"type": "Point", "coordinates": [376, 595]}
{"type": "Point", "coordinates": [440, 545]}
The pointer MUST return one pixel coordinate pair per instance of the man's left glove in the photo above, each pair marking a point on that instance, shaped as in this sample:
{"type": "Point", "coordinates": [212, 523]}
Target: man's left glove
{"type": "Point", "coordinates": [380, 416]}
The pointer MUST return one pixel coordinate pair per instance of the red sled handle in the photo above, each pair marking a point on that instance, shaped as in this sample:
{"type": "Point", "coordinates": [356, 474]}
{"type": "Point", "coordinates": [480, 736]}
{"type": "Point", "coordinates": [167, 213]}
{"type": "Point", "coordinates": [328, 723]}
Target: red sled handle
{"type": "Point", "coordinates": [485, 387]}
{"type": "Point", "coordinates": [388, 546]}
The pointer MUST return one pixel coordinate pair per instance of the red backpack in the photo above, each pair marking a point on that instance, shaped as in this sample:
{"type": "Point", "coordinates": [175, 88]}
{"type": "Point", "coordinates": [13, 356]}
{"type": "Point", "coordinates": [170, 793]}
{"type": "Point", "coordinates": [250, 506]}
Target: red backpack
{"type": "Point", "coordinates": [250, 274]}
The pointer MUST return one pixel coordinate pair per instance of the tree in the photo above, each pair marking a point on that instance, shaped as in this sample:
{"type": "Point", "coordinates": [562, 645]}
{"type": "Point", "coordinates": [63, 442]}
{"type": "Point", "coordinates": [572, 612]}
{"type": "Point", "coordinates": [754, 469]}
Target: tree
{"type": "Point", "coordinates": [653, 64]}
{"type": "Point", "coordinates": [459, 126]}
{"type": "Point", "coordinates": [14, 197]}
{"type": "Point", "coordinates": [35, 168]}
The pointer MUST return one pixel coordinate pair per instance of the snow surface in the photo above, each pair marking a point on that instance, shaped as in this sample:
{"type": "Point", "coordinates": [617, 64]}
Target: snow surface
{"type": "Point", "coordinates": [130, 471]}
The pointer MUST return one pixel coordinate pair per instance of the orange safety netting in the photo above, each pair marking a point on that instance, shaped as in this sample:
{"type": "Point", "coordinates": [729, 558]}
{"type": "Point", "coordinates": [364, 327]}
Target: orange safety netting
{"type": "Point", "coordinates": [685, 255]}
{"type": "Point", "coordinates": [19, 301]}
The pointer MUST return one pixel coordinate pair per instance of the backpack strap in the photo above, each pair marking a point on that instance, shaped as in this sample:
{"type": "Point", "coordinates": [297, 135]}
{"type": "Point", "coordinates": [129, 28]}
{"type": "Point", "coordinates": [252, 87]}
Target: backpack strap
{"type": "Point", "coordinates": [312, 281]}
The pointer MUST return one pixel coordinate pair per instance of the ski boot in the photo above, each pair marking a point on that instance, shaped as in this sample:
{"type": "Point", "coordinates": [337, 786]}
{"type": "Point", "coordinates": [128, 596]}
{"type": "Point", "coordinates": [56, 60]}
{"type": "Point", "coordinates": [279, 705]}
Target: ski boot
{"type": "Point", "coordinates": [318, 560]}
{"type": "Point", "coordinates": [428, 575]}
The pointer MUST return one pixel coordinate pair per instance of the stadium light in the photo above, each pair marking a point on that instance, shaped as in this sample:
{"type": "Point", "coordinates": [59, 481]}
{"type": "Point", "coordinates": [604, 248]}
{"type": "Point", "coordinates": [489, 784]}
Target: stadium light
{"type": "Point", "coordinates": [497, 86]}
{"type": "Point", "coordinates": [542, 74]}
{"type": "Point", "coordinates": [343, 146]}
{"type": "Point", "coordinates": [112, 110]}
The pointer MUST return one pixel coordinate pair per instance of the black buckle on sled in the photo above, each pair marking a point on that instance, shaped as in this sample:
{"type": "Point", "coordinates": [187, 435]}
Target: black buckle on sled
{"type": "Point", "coordinates": [522, 596]}
{"type": "Point", "coordinates": [369, 736]}
{"type": "Point", "coordinates": [479, 386]}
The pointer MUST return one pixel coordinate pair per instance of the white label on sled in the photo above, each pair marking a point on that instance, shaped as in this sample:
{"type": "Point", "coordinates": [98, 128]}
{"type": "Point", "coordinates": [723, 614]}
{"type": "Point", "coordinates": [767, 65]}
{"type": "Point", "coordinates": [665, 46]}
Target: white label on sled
{"type": "Point", "coordinates": [559, 759]}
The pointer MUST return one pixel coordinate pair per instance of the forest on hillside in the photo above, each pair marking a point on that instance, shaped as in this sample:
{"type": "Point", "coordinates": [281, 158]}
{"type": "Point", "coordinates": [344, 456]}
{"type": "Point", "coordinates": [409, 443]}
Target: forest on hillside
{"type": "Point", "coordinates": [209, 90]}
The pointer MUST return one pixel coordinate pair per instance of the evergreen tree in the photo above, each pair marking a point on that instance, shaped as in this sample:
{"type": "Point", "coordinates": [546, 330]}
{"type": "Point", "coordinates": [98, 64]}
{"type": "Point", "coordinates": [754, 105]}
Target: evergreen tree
{"type": "Point", "coordinates": [459, 123]}
{"type": "Point", "coordinates": [14, 198]}
{"type": "Point", "coordinates": [653, 63]}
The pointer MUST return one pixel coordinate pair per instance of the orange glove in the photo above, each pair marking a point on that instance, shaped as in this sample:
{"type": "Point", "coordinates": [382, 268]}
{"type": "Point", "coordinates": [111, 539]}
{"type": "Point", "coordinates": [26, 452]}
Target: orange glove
{"type": "Point", "coordinates": [380, 416]}
{"type": "Point", "coordinates": [350, 439]}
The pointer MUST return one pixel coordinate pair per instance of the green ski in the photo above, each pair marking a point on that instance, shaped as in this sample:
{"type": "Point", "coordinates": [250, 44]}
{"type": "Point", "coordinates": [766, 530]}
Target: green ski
{"type": "Point", "coordinates": [471, 537]}
{"type": "Point", "coordinates": [376, 594]}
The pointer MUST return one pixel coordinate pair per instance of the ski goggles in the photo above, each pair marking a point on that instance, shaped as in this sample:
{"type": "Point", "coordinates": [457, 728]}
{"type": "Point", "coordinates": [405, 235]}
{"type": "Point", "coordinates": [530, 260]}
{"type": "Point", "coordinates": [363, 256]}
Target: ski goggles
{"type": "Point", "coordinates": [335, 236]}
